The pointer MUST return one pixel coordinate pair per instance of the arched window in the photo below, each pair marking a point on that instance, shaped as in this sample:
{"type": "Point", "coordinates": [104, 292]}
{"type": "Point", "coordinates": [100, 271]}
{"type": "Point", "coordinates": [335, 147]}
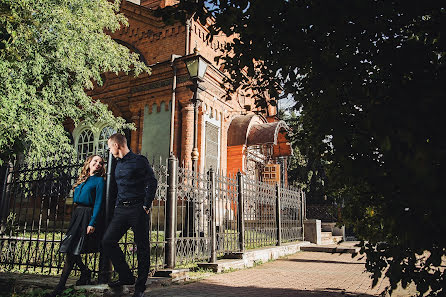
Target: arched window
{"type": "Point", "coordinates": [85, 144]}
{"type": "Point", "coordinates": [88, 143]}
{"type": "Point", "coordinates": [106, 132]}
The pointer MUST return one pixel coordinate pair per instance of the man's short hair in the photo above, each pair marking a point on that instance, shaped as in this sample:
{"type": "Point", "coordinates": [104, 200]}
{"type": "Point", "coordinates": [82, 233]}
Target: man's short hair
{"type": "Point", "coordinates": [119, 139]}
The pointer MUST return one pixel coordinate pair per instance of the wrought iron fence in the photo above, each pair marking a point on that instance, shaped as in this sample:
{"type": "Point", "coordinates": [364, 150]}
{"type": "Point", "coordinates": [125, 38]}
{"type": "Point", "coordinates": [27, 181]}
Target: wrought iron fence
{"type": "Point", "coordinates": [158, 217]}
{"type": "Point", "coordinates": [226, 206]}
{"type": "Point", "coordinates": [36, 208]}
{"type": "Point", "coordinates": [292, 214]}
{"type": "Point", "coordinates": [194, 217]}
{"type": "Point", "coordinates": [259, 201]}
{"type": "Point", "coordinates": [324, 212]}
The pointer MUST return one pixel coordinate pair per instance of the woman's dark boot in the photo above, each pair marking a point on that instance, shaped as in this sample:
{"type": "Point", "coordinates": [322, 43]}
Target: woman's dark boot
{"type": "Point", "coordinates": [85, 278]}
{"type": "Point", "coordinates": [66, 270]}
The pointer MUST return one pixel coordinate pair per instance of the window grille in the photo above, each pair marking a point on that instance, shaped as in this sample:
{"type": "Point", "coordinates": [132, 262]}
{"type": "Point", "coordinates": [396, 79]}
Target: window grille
{"type": "Point", "coordinates": [106, 132]}
{"type": "Point", "coordinates": [85, 144]}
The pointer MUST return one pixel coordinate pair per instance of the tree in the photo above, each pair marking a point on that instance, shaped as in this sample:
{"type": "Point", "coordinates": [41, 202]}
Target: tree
{"type": "Point", "coordinates": [51, 52]}
{"type": "Point", "coordinates": [306, 172]}
{"type": "Point", "coordinates": [369, 80]}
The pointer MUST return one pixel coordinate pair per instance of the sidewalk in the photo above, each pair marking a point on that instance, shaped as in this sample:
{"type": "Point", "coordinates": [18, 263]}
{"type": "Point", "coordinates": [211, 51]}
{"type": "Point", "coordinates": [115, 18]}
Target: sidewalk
{"type": "Point", "coordinates": [303, 274]}
{"type": "Point", "coordinates": [306, 274]}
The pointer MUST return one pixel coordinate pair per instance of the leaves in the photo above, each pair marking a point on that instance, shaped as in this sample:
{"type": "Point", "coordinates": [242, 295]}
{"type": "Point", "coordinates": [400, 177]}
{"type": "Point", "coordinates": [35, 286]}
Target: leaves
{"type": "Point", "coordinates": [368, 80]}
{"type": "Point", "coordinates": [51, 53]}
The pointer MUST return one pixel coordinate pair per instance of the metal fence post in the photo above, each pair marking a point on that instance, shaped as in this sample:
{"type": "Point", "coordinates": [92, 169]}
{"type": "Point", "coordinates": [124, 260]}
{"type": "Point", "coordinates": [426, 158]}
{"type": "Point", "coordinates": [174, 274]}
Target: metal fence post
{"type": "Point", "coordinates": [278, 216]}
{"type": "Point", "coordinates": [3, 198]}
{"type": "Point", "coordinates": [303, 215]}
{"type": "Point", "coordinates": [241, 211]}
{"type": "Point", "coordinates": [105, 265]}
{"type": "Point", "coordinates": [213, 230]}
{"type": "Point", "coordinates": [169, 252]}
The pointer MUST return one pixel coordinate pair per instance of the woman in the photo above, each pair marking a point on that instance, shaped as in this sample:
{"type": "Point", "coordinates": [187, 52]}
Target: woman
{"type": "Point", "coordinates": [82, 235]}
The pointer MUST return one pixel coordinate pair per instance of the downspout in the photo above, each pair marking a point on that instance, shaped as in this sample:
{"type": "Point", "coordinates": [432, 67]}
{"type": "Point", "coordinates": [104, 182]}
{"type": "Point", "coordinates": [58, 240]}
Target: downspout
{"type": "Point", "coordinates": [188, 35]}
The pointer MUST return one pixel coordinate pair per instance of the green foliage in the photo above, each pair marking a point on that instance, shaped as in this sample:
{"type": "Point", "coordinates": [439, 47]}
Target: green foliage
{"type": "Point", "coordinates": [69, 292]}
{"type": "Point", "coordinates": [10, 225]}
{"type": "Point", "coordinates": [304, 169]}
{"type": "Point", "coordinates": [368, 78]}
{"type": "Point", "coordinates": [198, 273]}
{"type": "Point", "coordinates": [51, 52]}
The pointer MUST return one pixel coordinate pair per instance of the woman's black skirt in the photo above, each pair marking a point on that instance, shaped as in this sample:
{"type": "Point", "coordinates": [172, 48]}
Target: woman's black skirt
{"type": "Point", "coordinates": [76, 241]}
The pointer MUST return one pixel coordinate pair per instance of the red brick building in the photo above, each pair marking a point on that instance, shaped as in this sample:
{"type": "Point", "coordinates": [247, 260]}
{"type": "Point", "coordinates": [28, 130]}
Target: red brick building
{"type": "Point", "coordinates": [231, 134]}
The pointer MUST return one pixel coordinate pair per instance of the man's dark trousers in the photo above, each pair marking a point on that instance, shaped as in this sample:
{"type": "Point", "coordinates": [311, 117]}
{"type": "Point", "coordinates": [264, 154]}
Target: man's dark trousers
{"type": "Point", "coordinates": [126, 217]}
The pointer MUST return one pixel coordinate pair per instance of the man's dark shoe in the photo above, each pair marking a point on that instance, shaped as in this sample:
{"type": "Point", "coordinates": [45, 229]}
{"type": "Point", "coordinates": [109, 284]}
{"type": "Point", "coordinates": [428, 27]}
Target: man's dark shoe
{"type": "Point", "coordinates": [85, 278]}
{"type": "Point", "coordinates": [138, 294]}
{"type": "Point", "coordinates": [120, 282]}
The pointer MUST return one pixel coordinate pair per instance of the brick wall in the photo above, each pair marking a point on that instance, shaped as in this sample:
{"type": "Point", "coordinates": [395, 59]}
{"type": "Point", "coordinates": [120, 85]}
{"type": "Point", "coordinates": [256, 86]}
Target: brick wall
{"type": "Point", "coordinates": [128, 96]}
{"type": "Point", "coordinates": [236, 159]}
{"type": "Point", "coordinates": [154, 4]}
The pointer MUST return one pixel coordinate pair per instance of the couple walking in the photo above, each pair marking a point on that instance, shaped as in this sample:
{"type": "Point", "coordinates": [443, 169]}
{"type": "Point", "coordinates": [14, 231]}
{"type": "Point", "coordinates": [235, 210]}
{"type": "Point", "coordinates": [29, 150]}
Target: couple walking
{"type": "Point", "coordinates": [136, 188]}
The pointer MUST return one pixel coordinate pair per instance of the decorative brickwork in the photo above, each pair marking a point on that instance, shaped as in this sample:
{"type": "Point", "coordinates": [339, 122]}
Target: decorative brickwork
{"type": "Point", "coordinates": [187, 133]}
{"type": "Point", "coordinates": [127, 96]}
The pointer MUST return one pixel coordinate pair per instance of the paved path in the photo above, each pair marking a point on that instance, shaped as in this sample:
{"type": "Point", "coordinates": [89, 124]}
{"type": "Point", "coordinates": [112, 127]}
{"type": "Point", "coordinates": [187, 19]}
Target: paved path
{"type": "Point", "coordinates": [304, 274]}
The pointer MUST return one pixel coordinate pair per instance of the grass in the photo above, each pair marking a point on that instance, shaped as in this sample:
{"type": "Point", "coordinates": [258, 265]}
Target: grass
{"type": "Point", "coordinates": [69, 292]}
{"type": "Point", "coordinates": [38, 256]}
{"type": "Point", "coordinates": [200, 273]}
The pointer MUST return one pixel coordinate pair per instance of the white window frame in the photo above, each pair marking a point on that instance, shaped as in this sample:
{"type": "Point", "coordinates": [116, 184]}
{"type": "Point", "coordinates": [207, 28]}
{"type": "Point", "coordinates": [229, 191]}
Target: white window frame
{"type": "Point", "coordinates": [88, 142]}
{"type": "Point", "coordinates": [96, 135]}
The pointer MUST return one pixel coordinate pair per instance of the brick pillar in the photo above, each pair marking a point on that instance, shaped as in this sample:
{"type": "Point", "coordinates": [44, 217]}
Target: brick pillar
{"type": "Point", "coordinates": [135, 133]}
{"type": "Point", "coordinates": [177, 131]}
{"type": "Point", "coordinates": [187, 133]}
{"type": "Point", "coordinates": [140, 129]}
{"type": "Point", "coordinates": [200, 139]}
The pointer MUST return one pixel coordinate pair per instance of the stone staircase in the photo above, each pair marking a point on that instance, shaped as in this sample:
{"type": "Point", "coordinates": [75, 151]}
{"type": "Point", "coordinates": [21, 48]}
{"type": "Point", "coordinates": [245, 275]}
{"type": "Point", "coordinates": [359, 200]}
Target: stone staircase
{"type": "Point", "coordinates": [323, 233]}
{"type": "Point", "coordinates": [327, 237]}
{"type": "Point", "coordinates": [328, 231]}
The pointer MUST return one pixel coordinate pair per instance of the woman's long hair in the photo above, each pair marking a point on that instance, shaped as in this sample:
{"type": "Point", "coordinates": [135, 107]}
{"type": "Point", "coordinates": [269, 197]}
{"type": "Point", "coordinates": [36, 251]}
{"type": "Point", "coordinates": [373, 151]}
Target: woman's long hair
{"type": "Point", "coordinates": [85, 172]}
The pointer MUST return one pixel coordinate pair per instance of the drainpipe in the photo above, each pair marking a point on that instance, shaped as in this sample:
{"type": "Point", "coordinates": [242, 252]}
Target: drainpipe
{"type": "Point", "coordinates": [188, 33]}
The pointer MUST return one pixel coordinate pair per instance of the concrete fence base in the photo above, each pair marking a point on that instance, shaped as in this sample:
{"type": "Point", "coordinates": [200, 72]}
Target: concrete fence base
{"type": "Point", "coordinates": [312, 231]}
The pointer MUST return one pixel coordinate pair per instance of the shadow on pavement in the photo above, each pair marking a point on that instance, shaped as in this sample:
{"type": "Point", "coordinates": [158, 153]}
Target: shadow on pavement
{"type": "Point", "coordinates": [322, 261]}
{"type": "Point", "coordinates": [202, 289]}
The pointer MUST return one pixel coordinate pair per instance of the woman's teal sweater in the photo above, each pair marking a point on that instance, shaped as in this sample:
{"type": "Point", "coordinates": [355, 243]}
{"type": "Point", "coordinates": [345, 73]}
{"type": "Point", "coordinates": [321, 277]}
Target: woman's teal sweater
{"type": "Point", "coordinates": [91, 193]}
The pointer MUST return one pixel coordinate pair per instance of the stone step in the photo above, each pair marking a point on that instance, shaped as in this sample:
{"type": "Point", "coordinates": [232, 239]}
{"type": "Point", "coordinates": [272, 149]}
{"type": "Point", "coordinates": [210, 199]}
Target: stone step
{"type": "Point", "coordinates": [330, 249]}
{"type": "Point", "coordinates": [326, 241]}
{"type": "Point", "coordinates": [327, 227]}
{"type": "Point", "coordinates": [337, 238]}
{"type": "Point", "coordinates": [176, 275]}
{"type": "Point", "coordinates": [325, 234]}
{"type": "Point", "coordinates": [331, 239]}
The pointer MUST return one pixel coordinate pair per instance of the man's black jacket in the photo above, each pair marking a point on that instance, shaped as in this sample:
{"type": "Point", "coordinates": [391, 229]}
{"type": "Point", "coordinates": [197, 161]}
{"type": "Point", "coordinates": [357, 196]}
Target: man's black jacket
{"type": "Point", "coordinates": [135, 179]}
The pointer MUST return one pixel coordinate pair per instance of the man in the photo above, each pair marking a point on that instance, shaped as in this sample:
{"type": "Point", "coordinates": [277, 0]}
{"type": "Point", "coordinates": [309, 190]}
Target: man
{"type": "Point", "coordinates": [136, 187]}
